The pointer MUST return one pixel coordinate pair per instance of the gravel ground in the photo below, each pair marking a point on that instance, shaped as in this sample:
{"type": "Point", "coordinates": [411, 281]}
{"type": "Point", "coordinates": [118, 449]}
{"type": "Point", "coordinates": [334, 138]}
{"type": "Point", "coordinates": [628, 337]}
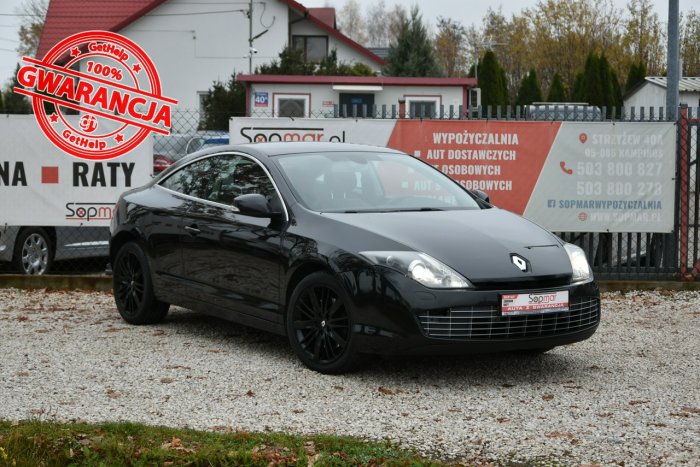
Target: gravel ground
{"type": "Point", "coordinates": [629, 395]}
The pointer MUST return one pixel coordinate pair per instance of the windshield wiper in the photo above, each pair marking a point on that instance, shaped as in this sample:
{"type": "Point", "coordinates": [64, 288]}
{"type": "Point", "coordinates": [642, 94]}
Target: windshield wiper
{"type": "Point", "coordinates": [356, 211]}
{"type": "Point", "coordinates": [416, 209]}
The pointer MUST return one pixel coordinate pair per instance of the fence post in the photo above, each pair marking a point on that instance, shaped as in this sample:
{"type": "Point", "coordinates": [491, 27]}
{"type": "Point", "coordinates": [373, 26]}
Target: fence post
{"type": "Point", "coordinates": [682, 211]}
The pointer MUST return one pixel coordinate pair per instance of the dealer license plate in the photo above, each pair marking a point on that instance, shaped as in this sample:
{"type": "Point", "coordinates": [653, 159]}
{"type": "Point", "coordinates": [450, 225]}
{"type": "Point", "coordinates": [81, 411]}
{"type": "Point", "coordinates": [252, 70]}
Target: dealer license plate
{"type": "Point", "coordinates": [534, 303]}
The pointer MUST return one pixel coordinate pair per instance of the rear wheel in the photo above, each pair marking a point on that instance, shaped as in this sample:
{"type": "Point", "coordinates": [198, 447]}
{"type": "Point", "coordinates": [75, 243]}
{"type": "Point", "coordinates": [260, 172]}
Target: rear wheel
{"type": "Point", "coordinates": [319, 325]}
{"type": "Point", "coordinates": [133, 287]}
{"type": "Point", "coordinates": [33, 251]}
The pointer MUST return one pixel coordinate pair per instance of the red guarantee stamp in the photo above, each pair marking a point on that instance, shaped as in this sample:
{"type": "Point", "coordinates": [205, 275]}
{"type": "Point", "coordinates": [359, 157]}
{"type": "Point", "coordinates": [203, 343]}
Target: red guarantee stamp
{"type": "Point", "coordinates": [96, 95]}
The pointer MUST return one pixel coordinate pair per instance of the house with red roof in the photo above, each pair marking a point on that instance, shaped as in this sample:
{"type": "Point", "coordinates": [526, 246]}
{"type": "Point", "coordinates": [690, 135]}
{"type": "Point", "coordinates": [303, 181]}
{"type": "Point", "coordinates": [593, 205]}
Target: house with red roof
{"type": "Point", "coordinates": [196, 42]}
{"type": "Point", "coordinates": [356, 96]}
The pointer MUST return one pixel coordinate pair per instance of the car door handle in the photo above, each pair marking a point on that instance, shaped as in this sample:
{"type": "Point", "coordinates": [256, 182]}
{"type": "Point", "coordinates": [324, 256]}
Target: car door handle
{"type": "Point", "coordinates": [193, 229]}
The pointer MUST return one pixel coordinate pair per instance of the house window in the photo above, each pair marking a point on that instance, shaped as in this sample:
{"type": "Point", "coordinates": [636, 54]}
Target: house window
{"type": "Point", "coordinates": [422, 106]}
{"type": "Point", "coordinates": [291, 105]}
{"type": "Point", "coordinates": [313, 48]}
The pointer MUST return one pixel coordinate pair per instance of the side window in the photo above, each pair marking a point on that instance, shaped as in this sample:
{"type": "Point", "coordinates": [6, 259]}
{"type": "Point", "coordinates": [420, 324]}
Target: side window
{"type": "Point", "coordinates": [243, 176]}
{"type": "Point", "coordinates": [191, 180]}
{"type": "Point", "coordinates": [199, 179]}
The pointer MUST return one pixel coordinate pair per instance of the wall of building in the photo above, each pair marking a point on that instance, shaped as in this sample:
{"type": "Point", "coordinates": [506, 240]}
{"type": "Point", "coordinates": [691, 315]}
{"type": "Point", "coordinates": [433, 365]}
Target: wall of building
{"type": "Point", "coordinates": [649, 95]}
{"type": "Point", "coordinates": [322, 97]}
{"type": "Point", "coordinates": [193, 50]}
{"type": "Point", "coordinates": [346, 53]}
{"type": "Point", "coordinates": [691, 99]}
{"type": "Point", "coordinates": [652, 95]}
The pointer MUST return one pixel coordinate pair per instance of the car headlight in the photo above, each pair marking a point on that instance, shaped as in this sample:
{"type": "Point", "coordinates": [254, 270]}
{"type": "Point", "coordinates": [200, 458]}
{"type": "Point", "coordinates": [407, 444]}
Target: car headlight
{"type": "Point", "coordinates": [579, 263]}
{"type": "Point", "coordinates": [420, 267]}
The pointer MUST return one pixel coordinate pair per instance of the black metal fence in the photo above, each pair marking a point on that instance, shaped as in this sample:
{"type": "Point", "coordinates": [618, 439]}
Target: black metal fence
{"type": "Point", "coordinates": [688, 192]}
{"type": "Point", "coordinates": [624, 256]}
{"type": "Point", "coordinates": [546, 112]}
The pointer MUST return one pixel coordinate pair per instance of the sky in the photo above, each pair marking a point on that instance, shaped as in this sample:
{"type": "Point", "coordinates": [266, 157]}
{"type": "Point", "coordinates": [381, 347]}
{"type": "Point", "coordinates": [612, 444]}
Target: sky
{"type": "Point", "coordinates": [468, 12]}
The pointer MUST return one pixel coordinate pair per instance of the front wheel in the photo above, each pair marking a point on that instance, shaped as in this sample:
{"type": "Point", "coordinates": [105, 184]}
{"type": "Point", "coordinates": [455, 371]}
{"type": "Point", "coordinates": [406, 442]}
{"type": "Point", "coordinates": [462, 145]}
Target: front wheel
{"type": "Point", "coordinates": [319, 325]}
{"type": "Point", "coordinates": [33, 251]}
{"type": "Point", "coordinates": [133, 287]}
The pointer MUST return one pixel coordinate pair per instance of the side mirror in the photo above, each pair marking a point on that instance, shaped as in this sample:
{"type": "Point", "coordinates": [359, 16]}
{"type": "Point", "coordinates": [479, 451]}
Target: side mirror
{"type": "Point", "coordinates": [254, 205]}
{"type": "Point", "coordinates": [482, 195]}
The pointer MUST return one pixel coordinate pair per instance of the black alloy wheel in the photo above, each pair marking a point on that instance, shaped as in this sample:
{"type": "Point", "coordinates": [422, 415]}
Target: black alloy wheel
{"type": "Point", "coordinates": [319, 325]}
{"type": "Point", "coordinates": [133, 289]}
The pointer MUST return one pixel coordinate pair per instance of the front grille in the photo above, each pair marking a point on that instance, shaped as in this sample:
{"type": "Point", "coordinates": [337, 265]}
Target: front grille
{"type": "Point", "coordinates": [486, 322]}
{"type": "Point", "coordinates": [546, 282]}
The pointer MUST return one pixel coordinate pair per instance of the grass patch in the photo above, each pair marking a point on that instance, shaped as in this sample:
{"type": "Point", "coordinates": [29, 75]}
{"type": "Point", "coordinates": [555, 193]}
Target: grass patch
{"type": "Point", "coordinates": [118, 444]}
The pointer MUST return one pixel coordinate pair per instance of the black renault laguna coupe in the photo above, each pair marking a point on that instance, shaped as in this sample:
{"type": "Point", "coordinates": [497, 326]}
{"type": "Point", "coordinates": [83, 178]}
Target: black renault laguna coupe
{"type": "Point", "coordinates": [347, 250]}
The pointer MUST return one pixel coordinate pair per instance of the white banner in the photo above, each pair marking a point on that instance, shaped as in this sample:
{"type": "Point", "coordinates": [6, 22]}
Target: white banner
{"type": "Point", "coordinates": [42, 185]}
{"type": "Point", "coordinates": [566, 176]}
{"type": "Point", "coordinates": [604, 177]}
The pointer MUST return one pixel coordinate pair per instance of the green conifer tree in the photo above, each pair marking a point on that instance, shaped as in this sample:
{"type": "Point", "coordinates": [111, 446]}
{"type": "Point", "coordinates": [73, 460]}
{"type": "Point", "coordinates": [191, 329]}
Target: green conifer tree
{"type": "Point", "coordinates": [636, 75]}
{"type": "Point", "coordinates": [557, 92]}
{"type": "Point", "coordinates": [13, 102]}
{"type": "Point", "coordinates": [221, 103]}
{"type": "Point", "coordinates": [413, 53]}
{"type": "Point", "coordinates": [494, 89]}
{"type": "Point", "coordinates": [529, 90]}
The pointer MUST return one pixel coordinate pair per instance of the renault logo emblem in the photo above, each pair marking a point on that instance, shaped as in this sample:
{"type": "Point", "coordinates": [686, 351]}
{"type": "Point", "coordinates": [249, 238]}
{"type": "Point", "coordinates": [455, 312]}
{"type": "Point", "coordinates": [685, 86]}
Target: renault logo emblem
{"type": "Point", "coordinates": [520, 262]}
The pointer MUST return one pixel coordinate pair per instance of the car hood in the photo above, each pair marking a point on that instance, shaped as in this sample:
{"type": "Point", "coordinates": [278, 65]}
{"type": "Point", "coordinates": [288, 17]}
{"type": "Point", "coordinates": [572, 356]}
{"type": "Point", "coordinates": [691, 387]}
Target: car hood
{"type": "Point", "coordinates": [476, 243]}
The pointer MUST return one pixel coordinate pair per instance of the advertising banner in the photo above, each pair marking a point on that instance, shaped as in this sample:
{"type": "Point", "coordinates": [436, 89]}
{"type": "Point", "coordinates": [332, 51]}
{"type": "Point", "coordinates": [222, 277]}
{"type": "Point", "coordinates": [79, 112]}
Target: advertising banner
{"type": "Point", "coordinates": [566, 176]}
{"type": "Point", "coordinates": [42, 185]}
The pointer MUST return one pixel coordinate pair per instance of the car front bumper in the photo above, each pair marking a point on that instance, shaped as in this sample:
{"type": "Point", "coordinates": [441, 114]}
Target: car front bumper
{"type": "Point", "coordinates": [395, 315]}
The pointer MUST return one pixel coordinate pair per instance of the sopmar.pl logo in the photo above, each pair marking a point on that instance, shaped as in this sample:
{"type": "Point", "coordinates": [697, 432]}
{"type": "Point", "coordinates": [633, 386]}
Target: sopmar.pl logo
{"type": "Point", "coordinates": [109, 81]}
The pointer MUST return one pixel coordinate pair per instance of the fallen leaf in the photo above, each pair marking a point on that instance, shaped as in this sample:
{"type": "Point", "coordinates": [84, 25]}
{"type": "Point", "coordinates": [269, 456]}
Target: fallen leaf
{"type": "Point", "coordinates": [310, 448]}
{"type": "Point", "coordinates": [548, 397]}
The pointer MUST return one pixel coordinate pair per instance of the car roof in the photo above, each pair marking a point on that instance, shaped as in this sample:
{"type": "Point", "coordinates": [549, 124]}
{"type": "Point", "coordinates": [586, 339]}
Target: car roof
{"type": "Point", "coordinates": [265, 150]}
{"type": "Point", "coordinates": [282, 148]}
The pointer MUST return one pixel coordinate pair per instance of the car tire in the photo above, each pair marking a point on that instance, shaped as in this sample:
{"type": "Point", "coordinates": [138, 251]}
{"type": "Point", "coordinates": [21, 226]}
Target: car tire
{"type": "Point", "coordinates": [133, 287]}
{"type": "Point", "coordinates": [319, 325]}
{"type": "Point", "coordinates": [34, 251]}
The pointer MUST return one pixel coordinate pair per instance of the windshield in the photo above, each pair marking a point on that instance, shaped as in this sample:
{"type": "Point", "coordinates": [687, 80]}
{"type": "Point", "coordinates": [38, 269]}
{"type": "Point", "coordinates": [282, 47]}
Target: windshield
{"type": "Point", "coordinates": [370, 181]}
